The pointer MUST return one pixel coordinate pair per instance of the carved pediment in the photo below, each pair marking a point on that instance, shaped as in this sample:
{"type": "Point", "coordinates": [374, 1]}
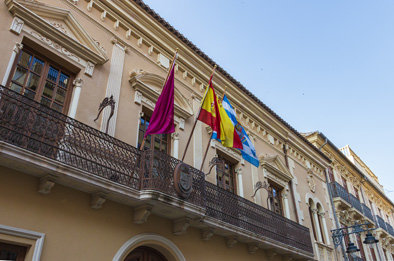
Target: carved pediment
{"type": "Point", "coordinates": [274, 165]}
{"type": "Point", "coordinates": [58, 26]}
{"type": "Point", "coordinates": [150, 86]}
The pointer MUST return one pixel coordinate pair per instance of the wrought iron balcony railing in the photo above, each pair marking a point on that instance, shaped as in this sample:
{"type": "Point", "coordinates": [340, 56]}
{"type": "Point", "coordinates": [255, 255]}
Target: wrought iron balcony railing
{"type": "Point", "coordinates": [390, 229]}
{"type": "Point", "coordinates": [339, 191]}
{"type": "Point", "coordinates": [29, 125]}
{"type": "Point", "coordinates": [367, 212]}
{"type": "Point", "coordinates": [381, 222]}
{"type": "Point", "coordinates": [355, 202]}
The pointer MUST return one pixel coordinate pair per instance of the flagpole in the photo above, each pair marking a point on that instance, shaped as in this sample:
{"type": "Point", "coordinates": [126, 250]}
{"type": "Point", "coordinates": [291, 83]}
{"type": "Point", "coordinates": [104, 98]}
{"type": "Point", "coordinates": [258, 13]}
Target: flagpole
{"type": "Point", "coordinates": [168, 75]}
{"type": "Point", "coordinates": [206, 150]}
{"type": "Point", "coordinates": [198, 114]}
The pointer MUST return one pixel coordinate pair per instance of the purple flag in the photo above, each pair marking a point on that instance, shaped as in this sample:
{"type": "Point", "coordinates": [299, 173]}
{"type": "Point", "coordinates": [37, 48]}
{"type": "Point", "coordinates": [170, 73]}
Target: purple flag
{"type": "Point", "coordinates": [162, 120]}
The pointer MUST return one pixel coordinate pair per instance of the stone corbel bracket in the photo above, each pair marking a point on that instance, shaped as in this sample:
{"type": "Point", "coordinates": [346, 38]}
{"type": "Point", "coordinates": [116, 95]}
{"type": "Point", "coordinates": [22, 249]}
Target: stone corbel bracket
{"type": "Point", "coordinates": [252, 248]}
{"type": "Point", "coordinates": [180, 226]}
{"type": "Point", "coordinates": [98, 200]}
{"type": "Point", "coordinates": [142, 213]}
{"type": "Point", "coordinates": [46, 184]}
{"type": "Point", "coordinates": [206, 234]}
{"type": "Point", "coordinates": [231, 241]}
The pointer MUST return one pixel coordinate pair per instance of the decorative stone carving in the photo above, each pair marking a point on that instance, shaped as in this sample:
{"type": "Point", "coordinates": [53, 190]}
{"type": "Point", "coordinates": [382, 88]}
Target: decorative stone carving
{"type": "Point", "coordinates": [89, 68]}
{"type": "Point", "coordinates": [175, 136]}
{"type": "Point", "coordinates": [59, 27]}
{"type": "Point", "coordinates": [142, 213]}
{"type": "Point", "coordinates": [270, 253]}
{"type": "Point", "coordinates": [78, 82]}
{"type": "Point", "coordinates": [252, 248]}
{"type": "Point", "coordinates": [311, 183]}
{"type": "Point", "coordinates": [98, 200]}
{"type": "Point", "coordinates": [231, 241]}
{"type": "Point", "coordinates": [206, 234]}
{"type": "Point", "coordinates": [17, 47]}
{"type": "Point", "coordinates": [138, 97]}
{"type": "Point", "coordinates": [17, 25]}
{"type": "Point", "coordinates": [180, 226]}
{"type": "Point", "coordinates": [46, 184]}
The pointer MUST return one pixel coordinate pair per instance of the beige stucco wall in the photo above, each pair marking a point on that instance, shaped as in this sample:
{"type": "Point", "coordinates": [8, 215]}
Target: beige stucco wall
{"type": "Point", "coordinates": [74, 231]}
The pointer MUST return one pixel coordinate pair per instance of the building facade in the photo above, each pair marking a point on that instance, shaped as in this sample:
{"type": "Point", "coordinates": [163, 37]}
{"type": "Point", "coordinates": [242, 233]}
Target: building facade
{"type": "Point", "coordinates": [80, 80]}
{"type": "Point", "coordinates": [358, 198]}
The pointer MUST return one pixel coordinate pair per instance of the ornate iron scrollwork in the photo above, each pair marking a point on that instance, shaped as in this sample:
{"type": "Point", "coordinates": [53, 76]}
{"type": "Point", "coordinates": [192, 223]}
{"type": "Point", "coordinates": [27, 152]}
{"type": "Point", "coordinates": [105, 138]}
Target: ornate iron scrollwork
{"type": "Point", "coordinates": [215, 161]}
{"type": "Point", "coordinates": [107, 102]}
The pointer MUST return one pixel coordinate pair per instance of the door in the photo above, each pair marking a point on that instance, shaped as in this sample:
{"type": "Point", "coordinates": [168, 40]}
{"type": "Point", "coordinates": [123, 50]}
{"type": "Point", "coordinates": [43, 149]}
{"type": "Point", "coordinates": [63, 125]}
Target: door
{"type": "Point", "coordinates": [144, 253]}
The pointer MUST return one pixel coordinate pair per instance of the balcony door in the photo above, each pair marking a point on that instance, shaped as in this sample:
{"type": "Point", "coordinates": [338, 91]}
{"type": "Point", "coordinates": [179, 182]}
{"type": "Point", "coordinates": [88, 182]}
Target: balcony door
{"type": "Point", "coordinates": [12, 252]}
{"type": "Point", "coordinates": [143, 253]}
{"type": "Point", "coordinates": [158, 142]}
{"type": "Point", "coordinates": [36, 77]}
{"type": "Point", "coordinates": [225, 175]}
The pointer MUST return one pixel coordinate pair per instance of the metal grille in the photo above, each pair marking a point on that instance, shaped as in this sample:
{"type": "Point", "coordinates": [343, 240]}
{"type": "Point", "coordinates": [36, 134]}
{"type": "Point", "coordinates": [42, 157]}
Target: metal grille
{"type": "Point", "coordinates": [339, 191]}
{"type": "Point", "coordinates": [356, 203]}
{"type": "Point", "coordinates": [390, 229]}
{"type": "Point", "coordinates": [381, 222]}
{"type": "Point", "coordinates": [39, 129]}
{"type": "Point", "coordinates": [240, 212]}
{"type": "Point", "coordinates": [367, 212]}
{"type": "Point", "coordinates": [157, 174]}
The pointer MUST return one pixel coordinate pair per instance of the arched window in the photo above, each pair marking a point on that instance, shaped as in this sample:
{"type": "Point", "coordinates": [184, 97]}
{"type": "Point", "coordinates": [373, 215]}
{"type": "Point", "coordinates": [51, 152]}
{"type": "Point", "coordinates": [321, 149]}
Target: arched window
{"type": "Point", "coordinates": [320, 212]}
{"type": "Point", "coordinates": [144, 253]}
{"type": "Point", "coordinates": [312, 208]}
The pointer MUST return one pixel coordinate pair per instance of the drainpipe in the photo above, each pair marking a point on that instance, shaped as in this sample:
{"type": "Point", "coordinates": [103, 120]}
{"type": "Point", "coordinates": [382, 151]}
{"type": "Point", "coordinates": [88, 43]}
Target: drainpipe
{"type": "Point", "coordinates": [291, 184]}
{"type": "Point", "coordinates": [332, 205]}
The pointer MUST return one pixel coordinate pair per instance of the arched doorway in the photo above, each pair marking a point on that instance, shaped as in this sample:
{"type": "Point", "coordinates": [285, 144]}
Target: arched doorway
{"type": "Point", "coordinates": [144, 253]}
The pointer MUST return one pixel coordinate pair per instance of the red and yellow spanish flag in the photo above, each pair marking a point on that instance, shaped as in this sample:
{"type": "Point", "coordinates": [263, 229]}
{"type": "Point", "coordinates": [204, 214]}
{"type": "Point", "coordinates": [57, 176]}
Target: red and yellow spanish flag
{"type": "Point", "coordinates": [209, 113]}
{"type": "Point", "coordinates": [213, 114]}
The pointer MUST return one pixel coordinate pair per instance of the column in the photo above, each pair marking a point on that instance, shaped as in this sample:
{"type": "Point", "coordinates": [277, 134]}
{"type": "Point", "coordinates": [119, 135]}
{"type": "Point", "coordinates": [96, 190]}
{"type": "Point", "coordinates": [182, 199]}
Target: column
{"type": "Point", "coordinates": [175, 137]}
{"type": "Point", "coordinates": [286, 203]}
{"type": "Point", "coordinates": [77, 83]}
{"type": "Point", "coordinates": [140, 115]}
{"type": "Point", "coordinates": [317, 227]}
{"type": "Point", "coordinates": [113, 86]}
{"type": "Point", "coordinates": [15, 51]}
{"type": "Point", "coordinates": [238, 172]}
{"type": "Point", "coordinates": [323, 220]}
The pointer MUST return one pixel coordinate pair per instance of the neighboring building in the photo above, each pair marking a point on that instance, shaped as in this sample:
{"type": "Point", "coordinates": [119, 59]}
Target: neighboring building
{"type": "Point", "coordinates": [358, 197]}
{"type": "Point", "coordinates": [69, 191]}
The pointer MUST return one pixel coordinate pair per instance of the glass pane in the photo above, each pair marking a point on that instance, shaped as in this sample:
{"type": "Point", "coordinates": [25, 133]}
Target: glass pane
{"type": "Point", "coordinates": [52, 74]}
{"type": "Point", "coordinates": [63, 80]}
{"type": "Point", "coordinates": [45, 102]}
{"type": "Point", "coordinates": [16, 87]}
{"type": "Point", "coordinates": [60, 95]}
{"type": "Point", "coordinates": [57, 107]}
{"type": "Point", "coordinates": [33, 81]}
{"type": "Point", "coordinates": [24, 59]}
{"type": "Point", "coordinates": [48, 90]}
{"type": "Point", "coordinates": [37, 65]}
{"type": "Point", "coordinates": [29, 94]}
{"type": "Point", "coordinates": [19, 75]}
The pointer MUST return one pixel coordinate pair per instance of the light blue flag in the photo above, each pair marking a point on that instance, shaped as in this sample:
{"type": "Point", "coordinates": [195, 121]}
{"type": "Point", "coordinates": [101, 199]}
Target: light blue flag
{"type": "Point", "coordinates": [248, 151]}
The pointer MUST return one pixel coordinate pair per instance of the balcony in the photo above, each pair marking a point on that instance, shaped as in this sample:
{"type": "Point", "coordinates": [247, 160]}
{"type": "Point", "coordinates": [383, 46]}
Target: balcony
{"type": "Point", "coordinates": [340, 196]}
{"type": "Point", "coordinates": [356, 209]}
{"type": "Point", "coordinates": [390, 229]}
{"type": "Point", "coordinates": [381, 223]}
{"type": "Point", "coordinates": [368, 213]}
{"type": "Point", "coordinates": [38, 141]}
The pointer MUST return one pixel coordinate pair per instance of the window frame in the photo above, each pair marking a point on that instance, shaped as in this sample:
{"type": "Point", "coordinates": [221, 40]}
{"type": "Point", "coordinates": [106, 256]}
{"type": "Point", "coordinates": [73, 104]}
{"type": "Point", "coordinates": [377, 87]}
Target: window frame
{"type": "Point", "coordinates": [48, 63]}
{"type": "Point", "coordinates": [278, 190]}
{"type": "Point", "coordinates": [141, 133]}
{"type": "Point", "coordinates": [220, 168]}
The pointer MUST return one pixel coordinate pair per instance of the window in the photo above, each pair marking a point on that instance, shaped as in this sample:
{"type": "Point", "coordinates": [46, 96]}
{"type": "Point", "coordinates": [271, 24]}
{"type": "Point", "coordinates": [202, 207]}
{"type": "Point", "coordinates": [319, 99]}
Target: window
{"type": "Point", "coordinates": [37, 78]}
{"type": "Point", "coordinates": [12, 252]}
{"type": "Point", "coordinates": [312, 219]}
{"type": "Point", "coordinates": [344, 183]}
{"type": "Point", "coordinates": [356, 193]}
{"type": "Point", "coordinates": [275, 199]}
{"type": "Point", "coordinates": [360, 246]}
{"type": "Point", "coordinates": [161, 142]}
{"type": "Point", "coordinates": [225, 177]}
{"type": "Point", "coordinates": [373, 253]}
{"type": "Point", "coordinates": [331, 175]}
{"type": "Point", "coordinates": [320, 218]}
{"type": "Point", "coordinates": [144, 253]}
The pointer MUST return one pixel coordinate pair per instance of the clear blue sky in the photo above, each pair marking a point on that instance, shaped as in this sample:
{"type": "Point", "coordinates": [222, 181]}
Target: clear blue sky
{"type": "Point", "coordinates": [320, 65]}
